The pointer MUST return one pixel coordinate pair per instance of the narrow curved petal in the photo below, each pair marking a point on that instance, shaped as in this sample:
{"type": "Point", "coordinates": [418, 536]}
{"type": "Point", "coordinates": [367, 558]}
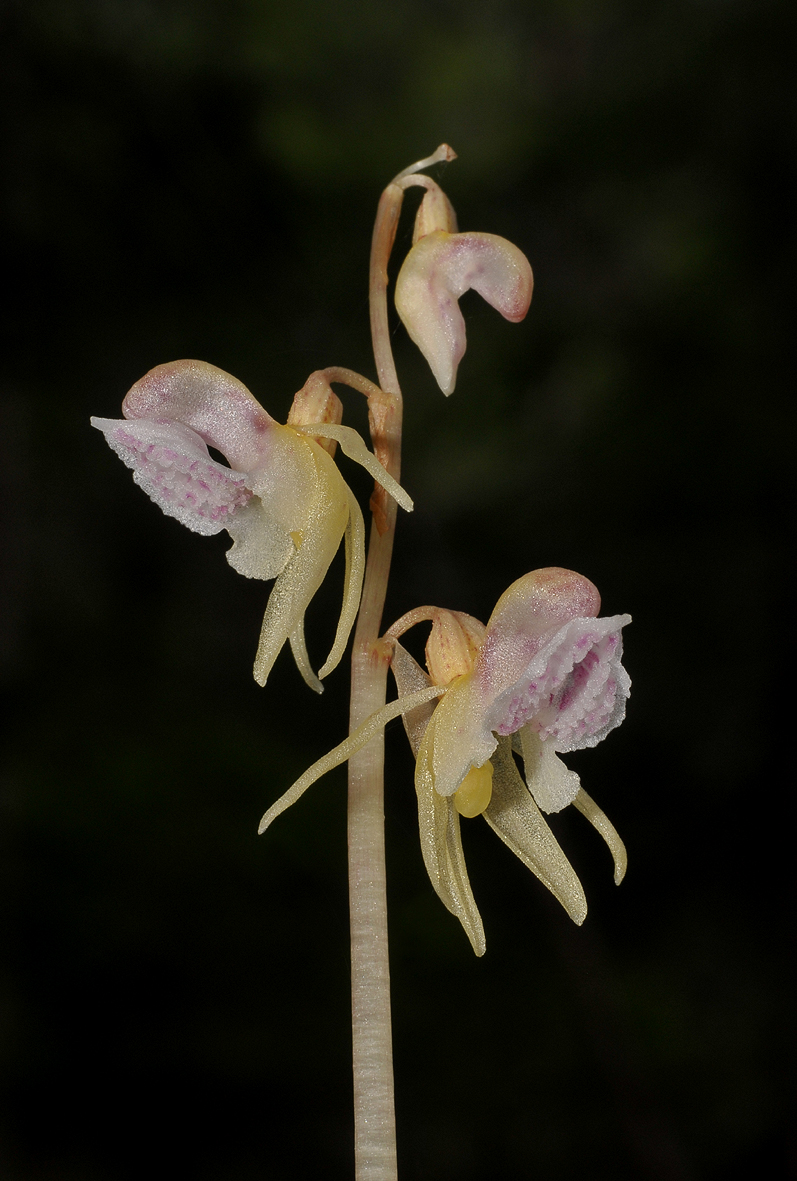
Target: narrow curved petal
{"type": "Point", "coordinates": [514, 816]}
{"type": "Point", "coordinates": [441, 845]}
{"type": "Point", "coordinates": [437, 271]}
{"type": "Point", "coordinates": [299, 650]}
{"type": "Point", "coordinates": [171, 463]}
{"type": "Point", "coordinates": [602, 824]}
{"type": "Point", "coordinates": [354, 539]}
{"type": "Point", "coordinates": [213, 403]}
{"type": "Point", "coordinates": [352, 444]}
{"type": "Point", "coordinates": [410, 677]}
{"type": "Point", "coordinates": [355, 741]}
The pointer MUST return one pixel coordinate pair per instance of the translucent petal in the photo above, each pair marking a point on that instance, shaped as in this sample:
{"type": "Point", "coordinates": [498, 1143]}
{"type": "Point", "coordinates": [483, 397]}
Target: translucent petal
{"type": "Point", "coordinates": [547, 778]}
{"type": "Point", "coordinates": [299, 650]}
{"type": "Point", "coordinates": [600, 821]}
{"type": "Point", "coordinates": [353, 582]}
{"type": "Point", "coordinates": [462, 740]}
{"type": "Point", "coordinates": [441, 845]}
{"type": "Point", "coordinates": [513, 814]}
{"type": "Point", "coordinates": [410, 677]}
{"type": "Point", "coordinates": [262, 547]}
{"type": "Point", "coordinates": [322, 532]}
{"type": "Point", "coordinates": [351, 444]}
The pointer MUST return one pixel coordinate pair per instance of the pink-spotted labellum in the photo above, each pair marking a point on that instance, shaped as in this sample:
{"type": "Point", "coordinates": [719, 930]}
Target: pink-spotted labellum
{"type": "Point", "coordinates": [282, 499]}
{"type": "Point", "coordinates": [441, 266]}
{"type": "Point", "coordinates": [542, 678]}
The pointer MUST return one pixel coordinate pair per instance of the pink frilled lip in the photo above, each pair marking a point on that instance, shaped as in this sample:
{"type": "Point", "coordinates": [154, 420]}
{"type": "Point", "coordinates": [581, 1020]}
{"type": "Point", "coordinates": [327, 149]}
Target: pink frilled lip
{"type": "Point", "coordinates": [549, 661]}
{"type": "Point", "coordinates": [573, 691]}
{"type": "Point", "coordinates": [172, 464]}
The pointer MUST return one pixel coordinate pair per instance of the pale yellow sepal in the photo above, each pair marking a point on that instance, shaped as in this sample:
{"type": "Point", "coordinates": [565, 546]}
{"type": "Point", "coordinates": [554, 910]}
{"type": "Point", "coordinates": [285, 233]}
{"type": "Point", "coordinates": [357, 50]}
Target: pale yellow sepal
{"type": "Point", "coordinates": [369, 729]}
{"type": "Point", "coordinates": [441, 845]}
{"type": "Point", "coordinates": [514, 816]}
{"type": "Point", "coordinates": [602, 824]}
{"type": "Point", "coordinates": [351, 444]}
{"type": "Point", "coordinates": [326, 518]}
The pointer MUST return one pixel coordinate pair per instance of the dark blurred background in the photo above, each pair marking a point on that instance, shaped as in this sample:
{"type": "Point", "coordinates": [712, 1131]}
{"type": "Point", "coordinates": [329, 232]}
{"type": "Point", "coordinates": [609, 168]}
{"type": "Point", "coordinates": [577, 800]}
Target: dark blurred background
{"type": "Point", "coordinates": [197, 178]}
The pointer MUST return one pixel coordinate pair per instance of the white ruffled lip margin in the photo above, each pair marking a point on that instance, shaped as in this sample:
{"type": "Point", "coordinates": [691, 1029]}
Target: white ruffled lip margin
{"type": "Point", "coordinates": [172, 464]}
{"type": "Point", "coordinates": [573, 690]}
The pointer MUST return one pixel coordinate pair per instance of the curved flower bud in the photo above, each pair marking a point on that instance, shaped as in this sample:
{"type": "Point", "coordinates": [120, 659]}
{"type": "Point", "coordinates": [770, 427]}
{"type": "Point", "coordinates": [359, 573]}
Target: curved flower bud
{"type": "Point", "coordinates": [282, 499]}
{"type": "Point", "coordinates": [440, 268]}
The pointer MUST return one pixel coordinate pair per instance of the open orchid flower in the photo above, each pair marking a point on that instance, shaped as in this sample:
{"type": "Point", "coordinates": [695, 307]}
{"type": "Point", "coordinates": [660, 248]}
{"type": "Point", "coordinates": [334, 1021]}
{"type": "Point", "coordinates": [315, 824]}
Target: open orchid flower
{"type": "Point", "coordinates": [543, 677]}
{"type": "Point", "coordinates": [441, 266]}
{"type": "Point", "coordinates": [282, 499]}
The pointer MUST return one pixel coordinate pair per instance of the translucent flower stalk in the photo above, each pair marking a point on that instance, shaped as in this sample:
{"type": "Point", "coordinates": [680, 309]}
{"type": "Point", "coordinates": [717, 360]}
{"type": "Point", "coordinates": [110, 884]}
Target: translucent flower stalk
{"type": "Point", "coordinates": [496, 706]}
{"type": "Point", "coordinates": [375, 1151]}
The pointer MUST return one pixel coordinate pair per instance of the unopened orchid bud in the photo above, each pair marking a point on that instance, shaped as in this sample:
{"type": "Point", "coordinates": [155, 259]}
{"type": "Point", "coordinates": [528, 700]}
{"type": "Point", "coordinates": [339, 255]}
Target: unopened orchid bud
{"type": "Point", "coordinates": [435, 212]}
{"type": "Point", "coordinates": [452, 646]}
{"type": "Point", "coordinates": [440, 268]}
{"type": "Point", "coordinates": [316, 402]}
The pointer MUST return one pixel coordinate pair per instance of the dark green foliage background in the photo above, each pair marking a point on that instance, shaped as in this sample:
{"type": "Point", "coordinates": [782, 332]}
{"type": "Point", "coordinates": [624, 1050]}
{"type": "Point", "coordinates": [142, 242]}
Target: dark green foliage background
{"type": "Point", "coordinates": [198, 178]}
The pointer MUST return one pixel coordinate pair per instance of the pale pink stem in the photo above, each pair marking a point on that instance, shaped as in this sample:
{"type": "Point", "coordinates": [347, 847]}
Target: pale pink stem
{"type": "Point", "coordinates": [372, 1051]}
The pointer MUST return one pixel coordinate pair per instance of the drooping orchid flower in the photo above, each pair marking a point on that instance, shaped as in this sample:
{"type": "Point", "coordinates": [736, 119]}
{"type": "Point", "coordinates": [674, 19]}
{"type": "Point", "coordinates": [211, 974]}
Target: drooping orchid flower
{"type": "Point", "coordinates": [282, 499]}
{"type": "Point", "coordinates": [542, 678]}
{"type": "Point", "coordinates": [441, 266]}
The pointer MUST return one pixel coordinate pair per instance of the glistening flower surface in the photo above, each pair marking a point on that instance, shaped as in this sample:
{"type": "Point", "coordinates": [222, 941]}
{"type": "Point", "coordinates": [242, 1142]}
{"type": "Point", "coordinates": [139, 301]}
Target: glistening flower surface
{"type": "Point", "coordinates": [544, 676]}
{"type": "Point", "coordinates": [282, 499]}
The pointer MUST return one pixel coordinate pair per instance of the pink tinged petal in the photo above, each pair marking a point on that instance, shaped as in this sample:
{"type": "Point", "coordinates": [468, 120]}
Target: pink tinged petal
{"type": "Point", "coordinates": [438, 270]}
{"type": "Point", "coordinates": [213, 403]}
{"type": "Point", "coordinates": [172, 464]}
{"type": "Point", "coordinates": [528, 613]}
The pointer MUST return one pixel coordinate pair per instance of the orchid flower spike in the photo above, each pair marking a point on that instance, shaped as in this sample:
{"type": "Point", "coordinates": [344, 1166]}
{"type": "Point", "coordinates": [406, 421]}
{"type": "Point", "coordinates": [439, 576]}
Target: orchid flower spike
{"type": "Point", "coordinates": [282, 499]}
{"type": "Point", "coordinates": [441, 266]}
{"type": "Point", "coordinates": [543, 677]}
